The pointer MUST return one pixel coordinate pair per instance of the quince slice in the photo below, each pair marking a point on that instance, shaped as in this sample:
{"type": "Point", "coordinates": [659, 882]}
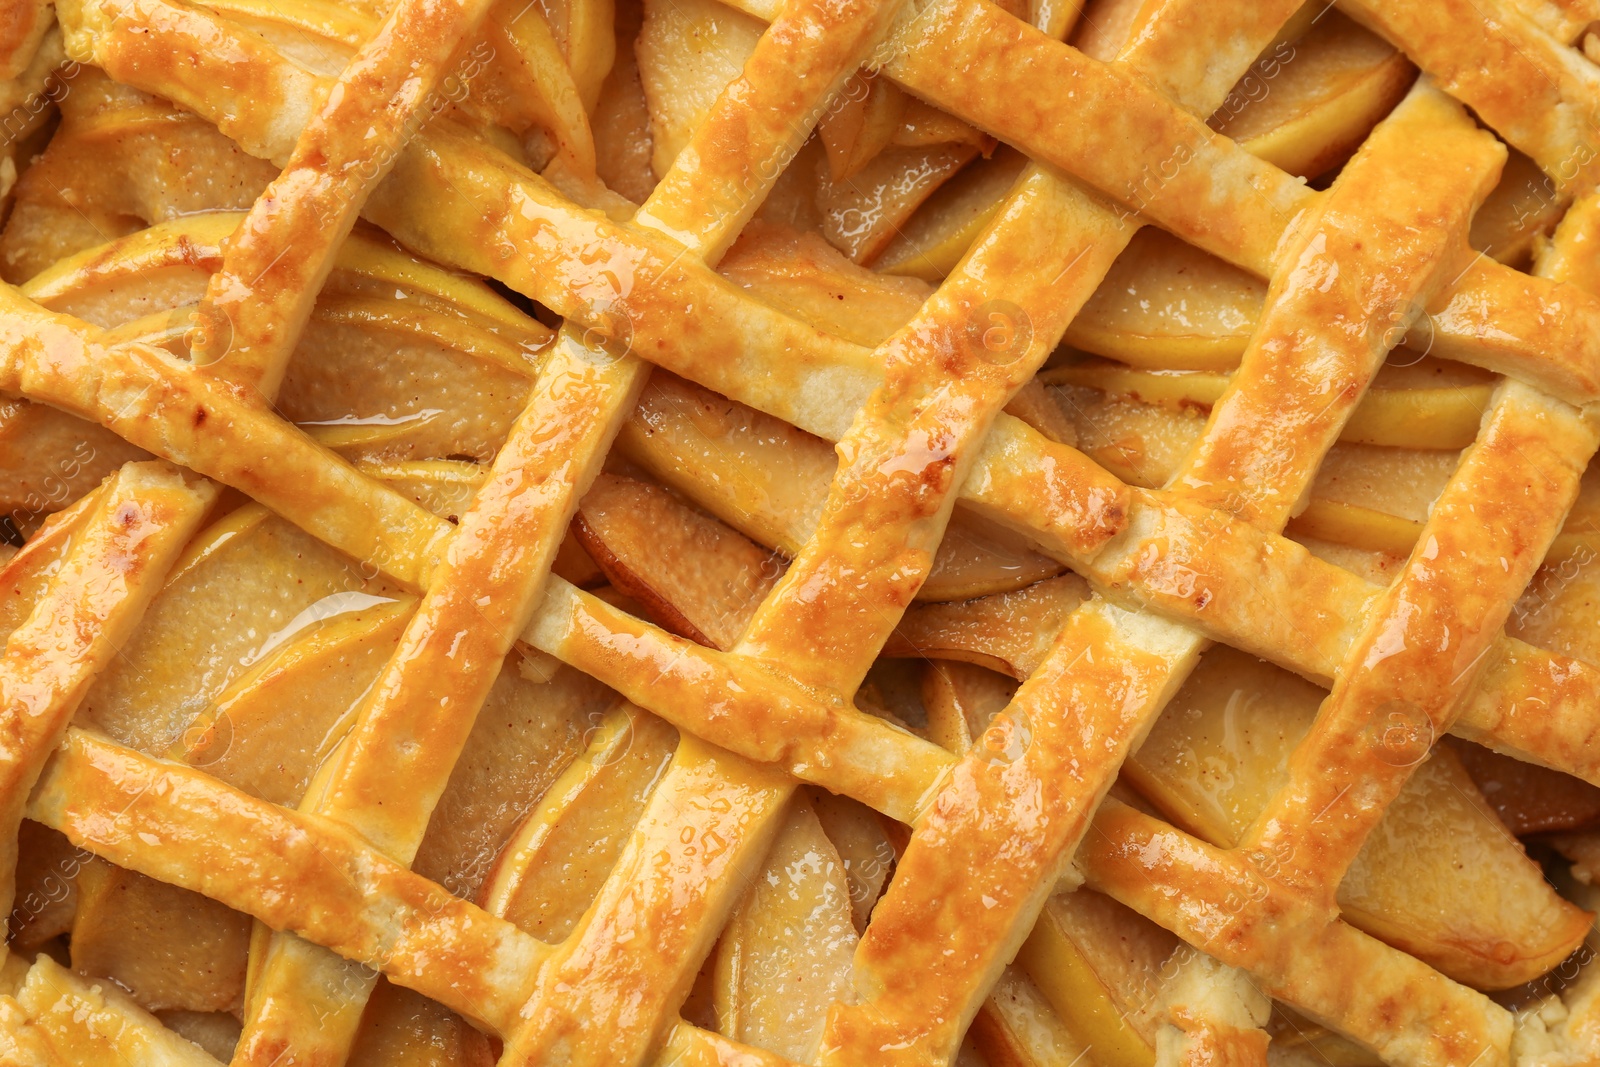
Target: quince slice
{"type": "Point", "coordinates": [549, 873]}
{"type": "Point", "coordinates": [244, 587]}
{"type": "Point", "coordinates": [785, 955]}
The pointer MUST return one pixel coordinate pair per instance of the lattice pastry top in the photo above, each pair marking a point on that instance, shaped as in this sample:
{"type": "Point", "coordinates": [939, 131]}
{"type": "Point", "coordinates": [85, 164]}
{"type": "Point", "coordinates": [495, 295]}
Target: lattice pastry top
{"type": "Point", "coordinates": [838, 532]}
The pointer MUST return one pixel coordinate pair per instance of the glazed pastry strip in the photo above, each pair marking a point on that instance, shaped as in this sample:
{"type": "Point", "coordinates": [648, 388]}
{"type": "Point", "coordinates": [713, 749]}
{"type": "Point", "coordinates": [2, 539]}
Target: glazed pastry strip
{"type": "Point", "coordinates": [463, 203]}
{"type": "Point", "coordinates": [20, 1041]}
{"type": "Point", "coordinates": [1309, 362]}
{"type": "Point", "coordinates": [843, 594]}
{"type": "Point", "coordinates": [1426, 636]}
{"type": "Point", "coordinates": [390, 772]}
{"type": "Point", "coordinates": [83, 1021]}
{"type": "Point", "coordinates": [1051, 755]}
{"type": "Point", "coordinates": [760, 798]}
{"type": "Point", "coordinates": [1207, 574]}
{"type": "Point", "coordinates": [138, 527]}
{"type": "Point", "coordinates": [1534, 89]}
{"type": "Point", "coordinates": [1226, 907]}
{"type": "Point", "coordinates": [495, 569]}
{"type": "Point", "coordinates": [257, 305]}
{"type": "Point", "coordinates": [604, 997]}
{"type": "Point", "coordinates": [293, 871]}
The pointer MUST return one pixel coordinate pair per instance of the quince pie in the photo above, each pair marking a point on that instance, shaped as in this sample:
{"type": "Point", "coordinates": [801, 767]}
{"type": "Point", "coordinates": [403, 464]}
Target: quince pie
{"type": "Point", "coordinates": [841, 532]}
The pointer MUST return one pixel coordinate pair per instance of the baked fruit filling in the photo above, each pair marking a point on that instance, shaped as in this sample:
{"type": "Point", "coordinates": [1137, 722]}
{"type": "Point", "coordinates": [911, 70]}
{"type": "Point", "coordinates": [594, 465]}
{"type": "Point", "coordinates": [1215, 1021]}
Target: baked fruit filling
{"type": "Point", "coordinates": [837, 532]}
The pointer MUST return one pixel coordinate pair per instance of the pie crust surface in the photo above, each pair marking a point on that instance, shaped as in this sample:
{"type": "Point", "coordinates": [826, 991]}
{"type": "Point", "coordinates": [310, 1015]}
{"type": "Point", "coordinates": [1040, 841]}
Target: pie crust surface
{"type": "Point", "coordinates": [836, 532]}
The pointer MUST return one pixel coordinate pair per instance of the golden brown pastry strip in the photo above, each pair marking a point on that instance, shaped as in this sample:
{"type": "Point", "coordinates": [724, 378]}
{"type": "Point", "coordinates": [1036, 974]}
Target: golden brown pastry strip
{"type": "Point", "coordinates": [292, 871]}
{"type": "Point", "coordinates": [1332, 971]}
{"type": "Point", "coordinates": [1309, 361]}
{"type": "Point", "coordinates": [487, 196]}
{"type": "Point", "coordinates": [83, 1021]}
{"type": "Point", "coordinates": [1401, 682]}
{"type": "Point", "coordinates": [1014, 809]}
{"type": "Point", "coordinates": [1531, 87]}
{"type": "Point", "coordinates": [257, 304]}
{"type": "Point", "coordinates": [388, 776]}
{"type": "Point", "coordinates": [116, 562]}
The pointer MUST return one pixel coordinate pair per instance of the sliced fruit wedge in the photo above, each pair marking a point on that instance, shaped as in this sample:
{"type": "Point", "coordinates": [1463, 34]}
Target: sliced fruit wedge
{"type": "Point", "coordinates": [785, 955]}
{"type": "Point", "coordinates": [582, 29]}
{"type": "Point", "coordinates": [129, 159]}
{"type": "Point", "coordinates": [861, 123]}
{"type": "Point", "coordinates": [1166, 305]}
{"type": "Point", "coordinates": [48, 459]}
{"type": "Point", "coordinates": [526, 735]}
{"type": "Point", "coordinates": [1009, 632]}
{"type": "Point", "coordinates": [405, 1029]}
{"type": "Point", "coordinates": [47, 887]}
{"type": "Point", "coordinates": [169, 947]}
{"type": "Point", "coordinates": [621, 119]}
{"type": "Point", "coordinates": [320, 36]}
{"type": "Point", "coordinates": [217, 1032]}
{"type": "Point", "coordinates": [1550, 612]}
{"type": "Point", "coordinates": [863, 213]}
{"type": "Point", "coordinates": [1305, 106]}
{"type": "Point", "coordinates": [694, 575]}
{"type": "Point", "coordinates": [1523, 207]}
{"type": "Point", "coordinates": [270, 730]}
{"type": "Point", "coordinates": [1142, 444]}
{"type": "Point", "coordinates": [1017, 1027]}
{"type": "Point", "coordinates": [1444, 416]}
{"type": "Point", "coordinates": [245, 586]}
{"type": "Point", "coordinates": [1100, 965]}
{"type": "Point", "coordinates": [960, 699]}
{"type": "Point", "coordinates": [688, 51]}
{"type": "Point", "coordinates": [804, 275]}
{"type": "Point", "coordinates": [1529, 799]}
{"type": "Point", "coordinates": [550, 871]}
{"type": "Point", "coordinates": [938, 234]}
{"type": "Point", "coordinates": [1352, 524]}
{"type": "Point", "coordinates": [857, 832]}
